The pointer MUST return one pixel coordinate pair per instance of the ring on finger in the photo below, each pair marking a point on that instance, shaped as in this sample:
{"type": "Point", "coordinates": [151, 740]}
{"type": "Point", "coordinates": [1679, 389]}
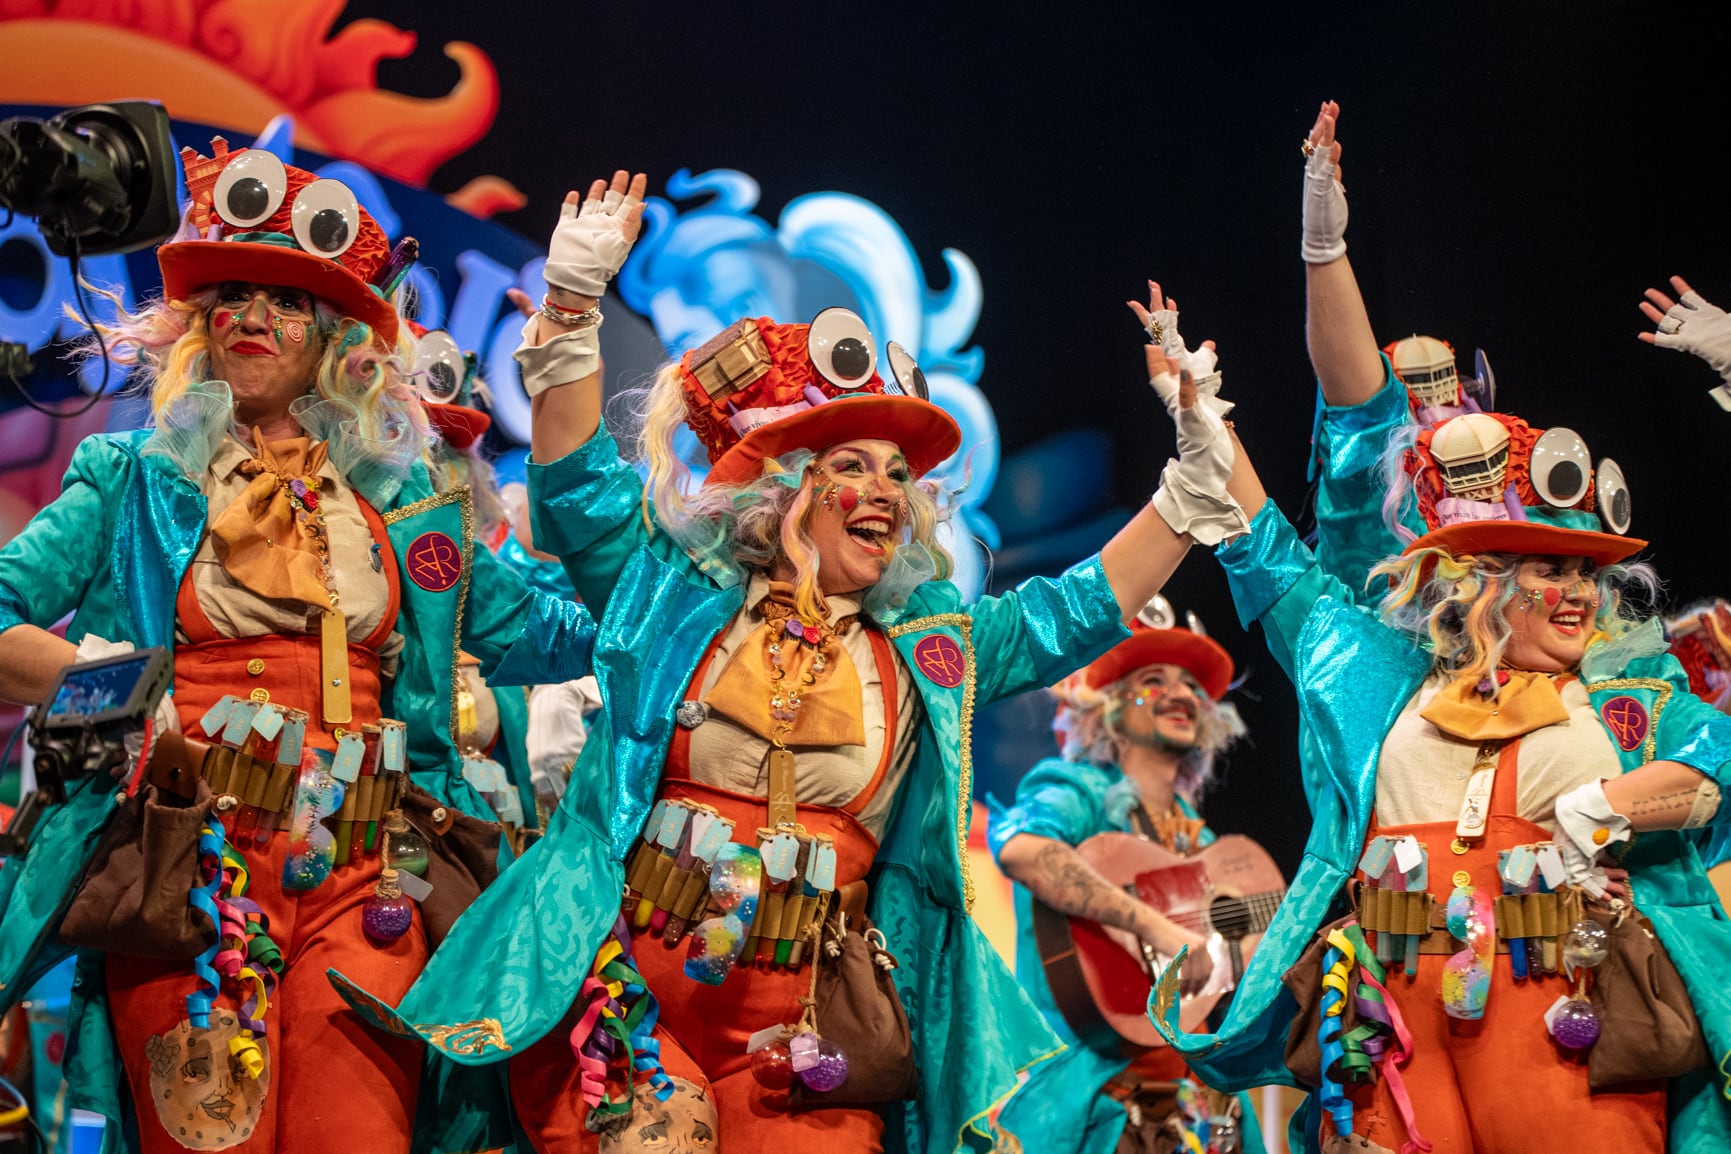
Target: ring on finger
{"type": "Point", "coordinates": [1155, 332]}
{"type": "Point", "coordinates": [1307, 146]}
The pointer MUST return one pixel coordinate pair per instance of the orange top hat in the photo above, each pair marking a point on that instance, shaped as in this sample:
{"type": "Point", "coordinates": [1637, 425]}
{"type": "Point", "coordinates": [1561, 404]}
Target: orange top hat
{"type": "Point", "coordinates": [271, 223]}
{"type": "Point", "coordinates": [1201, 656]}
{"type": "Point", "coordinates": [1491, 483]}
{"type": "Point", "coordinates": [761, 389]}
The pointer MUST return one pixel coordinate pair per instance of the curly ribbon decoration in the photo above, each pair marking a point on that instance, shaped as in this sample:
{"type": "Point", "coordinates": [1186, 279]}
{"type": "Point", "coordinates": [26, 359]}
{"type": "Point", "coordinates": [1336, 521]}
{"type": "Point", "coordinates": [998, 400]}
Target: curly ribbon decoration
{"type": "Point", "coordinates": [211, 844]}
{"type": "Point", "coordinates": [1353, 1056]}
{"type": "Point", "coordinates": [620, 1016]}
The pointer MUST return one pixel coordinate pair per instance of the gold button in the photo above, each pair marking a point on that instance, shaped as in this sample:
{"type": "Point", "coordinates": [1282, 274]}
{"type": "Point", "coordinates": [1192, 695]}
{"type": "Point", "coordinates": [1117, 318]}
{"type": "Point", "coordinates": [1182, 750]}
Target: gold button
{"type": "Point", "coordinates": [260, 695]}
{"type": "Point", "coordinates": [1463, 878]}
{"type": "Point", "coordinates": [1459, 846]}
{"type": "Point", "coordinates": [255, 666]}
{"type": "Point", "coordinates": [1601, 836]}
{"type": "Point", "coordinates": [337, 733]}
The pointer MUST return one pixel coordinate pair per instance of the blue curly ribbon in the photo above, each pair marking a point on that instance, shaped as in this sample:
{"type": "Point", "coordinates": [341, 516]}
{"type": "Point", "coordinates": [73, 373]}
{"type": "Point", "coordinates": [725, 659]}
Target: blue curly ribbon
{"type": "Point", "coordinates": [1328, 1032]}
{"type": "Point", "coordinates": [203, 898]}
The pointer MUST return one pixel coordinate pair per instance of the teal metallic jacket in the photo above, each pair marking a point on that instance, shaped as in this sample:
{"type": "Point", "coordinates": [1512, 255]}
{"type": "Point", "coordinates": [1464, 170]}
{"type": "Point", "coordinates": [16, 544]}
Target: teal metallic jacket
{"type": "Point", "coordinates": [1061, 1108]}
{"type": "Point", "coordinates": [112, 550]}
{"type": "Point", "coordinates": [514, 962]}
{"type": "Point", "coordinates": [1348, 443]}
{"type": "Point", "coordinates": [1354, 674]}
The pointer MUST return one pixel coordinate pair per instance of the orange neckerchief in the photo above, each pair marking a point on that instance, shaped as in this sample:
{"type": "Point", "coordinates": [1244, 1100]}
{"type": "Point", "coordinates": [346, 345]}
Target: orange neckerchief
{"type": "Point", "coordinates": [749, 693]}
{"type": "Point", "coordinates": [1528, 701]}
{"type": "Point", "coordinates": [259, 540]}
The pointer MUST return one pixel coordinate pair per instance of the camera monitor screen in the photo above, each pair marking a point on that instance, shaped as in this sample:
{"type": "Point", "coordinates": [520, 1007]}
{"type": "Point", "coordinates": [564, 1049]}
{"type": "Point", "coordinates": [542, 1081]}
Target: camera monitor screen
{"type": "Point", "coordinates": [87, 692]}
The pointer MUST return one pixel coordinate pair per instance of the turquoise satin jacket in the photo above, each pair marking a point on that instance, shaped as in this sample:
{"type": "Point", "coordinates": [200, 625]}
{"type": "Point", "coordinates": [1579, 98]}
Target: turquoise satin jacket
{"type": "Point", "coordinates": [112, 549]}
{"type": "Point", "coordinates": [514, 962]}
{"type": "Point", "coordinates": [1061, 1108]}
{"type": "Point", "coordinates": [1348, 443]}
{"type": "Point", "coordinates": [1354, 674]}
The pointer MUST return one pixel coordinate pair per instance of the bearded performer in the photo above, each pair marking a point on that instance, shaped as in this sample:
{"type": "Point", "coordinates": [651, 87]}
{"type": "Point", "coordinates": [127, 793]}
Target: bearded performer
{"type": "Point", "coordinates": [1475, 747]}
{"type": "Point", "coordinates": [788, 685]}
{"type": "Point", "coordinates": [1139, 728]}
{"type": "Point", "coordinates": [277, 530]}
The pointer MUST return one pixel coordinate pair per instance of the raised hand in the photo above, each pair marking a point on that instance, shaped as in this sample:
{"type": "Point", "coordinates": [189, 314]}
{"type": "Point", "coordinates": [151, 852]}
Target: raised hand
{"type": "Point", "coordinates": [1160, 320]}
{"type": "Point", "coordinates": [1692, 325]}
{"type": "Point", "coordinates": [595, 234]}
{"type": "Point", "coordinates": [1192, 497]}
{"type": "Point", "coordinates": [1324, 194]}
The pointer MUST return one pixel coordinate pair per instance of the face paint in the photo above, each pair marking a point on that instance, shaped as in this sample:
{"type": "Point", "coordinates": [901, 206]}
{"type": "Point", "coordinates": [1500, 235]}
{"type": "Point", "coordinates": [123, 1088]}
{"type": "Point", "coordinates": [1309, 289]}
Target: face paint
{"type": "Point", "coordinates": [1552, 595]}
{"type": "Point", "coordinates": [849, 499]}
{"type": "Point", "coordinates": [296, 331]}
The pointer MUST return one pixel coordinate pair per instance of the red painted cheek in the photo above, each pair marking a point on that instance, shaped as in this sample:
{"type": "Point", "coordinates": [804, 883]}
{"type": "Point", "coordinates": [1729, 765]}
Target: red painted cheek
{"type": "Point", "coordinates": [295, 331]}
{"type": "Point", "coordinates": [221, 321]}
{"type": "Point", "coordinates": [1552, 596]}
{"type": "Point", "coordinates": [849, 499]}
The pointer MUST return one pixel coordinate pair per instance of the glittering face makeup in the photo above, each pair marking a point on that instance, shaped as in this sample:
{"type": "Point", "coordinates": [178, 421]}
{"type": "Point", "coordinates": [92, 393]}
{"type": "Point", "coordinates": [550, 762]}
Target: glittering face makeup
{"type": "Point", "coordinates": [858, 510]}
{"type": "Point", "coordinates": [1551, 615]}
{"type": "Point", "coordinates": [1160, 708]}
{"type": "Point", "coordinates": [264, 344]}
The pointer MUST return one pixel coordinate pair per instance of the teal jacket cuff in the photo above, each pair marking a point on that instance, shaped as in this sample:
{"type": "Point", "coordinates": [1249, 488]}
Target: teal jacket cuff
{"type": "Point", "coordinates": [1263, 564]}
{"type": "Point", "coordinates": [1350, 439]}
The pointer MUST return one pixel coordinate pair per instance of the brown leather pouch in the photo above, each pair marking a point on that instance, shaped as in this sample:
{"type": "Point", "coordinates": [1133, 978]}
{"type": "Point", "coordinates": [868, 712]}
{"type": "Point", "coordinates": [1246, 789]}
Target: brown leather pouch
{"type": "Point", "coordinates": [1304, 982]}
{"type": "Point", "coordinates": [1650, 1027]}
{"type": "Point", "coordinates": [859, 1010]}
{"type": "Point", "coordinates": [462, 858]}
{"type": "Point", "coordinates": [134, 898]}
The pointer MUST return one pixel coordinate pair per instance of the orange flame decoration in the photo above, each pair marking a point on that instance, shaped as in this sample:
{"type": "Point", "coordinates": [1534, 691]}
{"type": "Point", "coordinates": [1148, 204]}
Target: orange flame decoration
{"type": "Point", "coordinates": [235, 64]}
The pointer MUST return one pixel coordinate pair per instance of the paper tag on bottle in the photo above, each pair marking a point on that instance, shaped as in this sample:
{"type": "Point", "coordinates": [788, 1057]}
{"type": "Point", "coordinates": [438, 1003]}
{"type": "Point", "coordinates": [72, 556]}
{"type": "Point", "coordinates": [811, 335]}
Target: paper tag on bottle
{"type": "Point", "coordinates": [293, 743]}
{"type": "Point", "coordinates": [820, 874]}
{"type": "Point", "coordinates": [708, 834]}
{"type": "Point", "coordinates": [673, 820]}
{"type": "Point", "coordinates": [1518, 868]}
{"type": "Point", "coordinates": [267, 723]}
{"type": "Point", "coordinates": [1408, 854]}
{"type": "Point", "coordinates": [484, 774]}
{"type": "Point", "coordinates": [781, 857]}
{"type": "Point", "coordinates": [1551, 1014]}
{"type": "Point", "coordinates": [346, 766]}
{"type": "Point", "coordinates": [217, 716]}
{"type": "Point", "coordinates": [763, 1038]}
{"type": "Point", "coordinates": [391, 739]}
{"type": "Point", "coordinates": [1551, 865]}
{"type": "Point", "coordinates": [508, 804]}
{"type": "Point", "coordinates": [1376, 856]}
{"type": "Point", "coordinates": [240, 716]}
{"type": "Point", "coordinates": [416, 889]}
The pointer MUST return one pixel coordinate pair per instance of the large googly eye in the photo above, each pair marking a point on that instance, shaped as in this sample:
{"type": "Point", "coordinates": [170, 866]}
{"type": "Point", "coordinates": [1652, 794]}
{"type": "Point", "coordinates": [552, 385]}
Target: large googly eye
{"type": "Point", "coordinates": [439, 367]}
{"type": "Point", "coordinates": [1560, 467]}
{"type": "Point", "coordinates": [327, 218]}
{"type": "Point", "coordinates": [1158, 614]}
{"type": "Point", "coordinates": [906, 370]}
{"type": "Point", "coordinates": [1613, 497]}
{"type": "Point", "coordinates": [250, 189]}
{"type": "Point", "coordinates": [841, 349]}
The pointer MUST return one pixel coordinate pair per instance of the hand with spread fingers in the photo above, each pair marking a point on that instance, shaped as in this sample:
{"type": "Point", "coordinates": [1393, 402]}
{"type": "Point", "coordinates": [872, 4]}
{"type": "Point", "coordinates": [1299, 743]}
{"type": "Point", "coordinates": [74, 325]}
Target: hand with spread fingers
{"type": "Point", "coordinates": [1324, 194]}
{"type": "Point", "coordinates": [1192, 497]}
{"type": "Point", "coordinates": [1160, 320]}
{"type": "Point", "coordinates": [1692, 325]}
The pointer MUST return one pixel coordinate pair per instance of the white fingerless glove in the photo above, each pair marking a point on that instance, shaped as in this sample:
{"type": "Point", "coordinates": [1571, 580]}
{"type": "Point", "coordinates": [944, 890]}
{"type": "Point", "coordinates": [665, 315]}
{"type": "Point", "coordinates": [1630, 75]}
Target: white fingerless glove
{"type": "Point", "coordinates": [1586, 827]}
{"type": "Point", "coordinates": [589, 244]}
{"type": "Point", "coordinates": [1694, 325]}
{"type": "Point", "coordinates": [1201, 361]}
{"type": "Point", "coordinates": [1324, 210]}
{"type": "Point", "coordinates": [568, 357]}
{"type": "Point", "coordinates": [556, 734]}
{"type": "Point", "coordinates": [1192, 497]}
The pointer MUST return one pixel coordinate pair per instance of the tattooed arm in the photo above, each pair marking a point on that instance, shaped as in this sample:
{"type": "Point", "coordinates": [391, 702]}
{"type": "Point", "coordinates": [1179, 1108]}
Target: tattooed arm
{"type": "Point", "coordinates": [1055, 874]}
{"type": "Point", "coordinates": [1664, 795]}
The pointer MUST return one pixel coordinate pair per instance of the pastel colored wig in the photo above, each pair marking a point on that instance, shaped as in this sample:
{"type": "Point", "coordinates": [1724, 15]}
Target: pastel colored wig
{"type": "Point", "coordinates": [750, 525]}
{"type": "Point", "coordinates": [1083, 726]}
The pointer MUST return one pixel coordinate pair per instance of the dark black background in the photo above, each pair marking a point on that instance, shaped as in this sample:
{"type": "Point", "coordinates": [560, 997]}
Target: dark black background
{"type": "Point", "coordinates": [1517, 173]}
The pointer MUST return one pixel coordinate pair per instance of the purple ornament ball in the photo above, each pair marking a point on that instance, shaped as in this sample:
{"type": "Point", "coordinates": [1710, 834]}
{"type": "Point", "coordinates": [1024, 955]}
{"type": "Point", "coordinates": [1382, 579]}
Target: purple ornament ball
{"type": "Point", "coordinates": [1576, 1025]}
{"type": "Point", "coordinates": [830, 1071]}
{"type": "Point", "coordinates": [384, 920]}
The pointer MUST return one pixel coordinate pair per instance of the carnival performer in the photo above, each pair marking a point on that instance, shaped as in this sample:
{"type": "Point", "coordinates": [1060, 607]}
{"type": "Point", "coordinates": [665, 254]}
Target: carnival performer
{"type": "Point", "coordinates": [784, 671]}
{"type": "Point", "coordinates": [277, 530]}
{"type": "Point", "coordinates": [1139, 728]}
{"type": "Point", "coordinates": [1493, 728]}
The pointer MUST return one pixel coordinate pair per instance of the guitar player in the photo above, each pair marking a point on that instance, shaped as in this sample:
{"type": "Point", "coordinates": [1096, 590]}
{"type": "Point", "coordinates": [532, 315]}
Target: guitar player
{"type": "Point", "coordinates": [1139, 730]}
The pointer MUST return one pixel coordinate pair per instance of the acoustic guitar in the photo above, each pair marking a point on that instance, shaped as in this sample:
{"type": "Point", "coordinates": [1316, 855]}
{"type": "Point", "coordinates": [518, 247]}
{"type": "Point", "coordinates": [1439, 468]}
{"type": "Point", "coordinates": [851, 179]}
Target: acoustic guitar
{"type": "Point", "coordinates": [1100, 977]}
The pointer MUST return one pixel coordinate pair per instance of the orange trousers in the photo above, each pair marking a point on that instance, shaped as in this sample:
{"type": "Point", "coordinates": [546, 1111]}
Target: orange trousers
{"type": "Point", "coordinates": [335, 1083]}
{"type": "Point", "coordinates": [1500, 1084]}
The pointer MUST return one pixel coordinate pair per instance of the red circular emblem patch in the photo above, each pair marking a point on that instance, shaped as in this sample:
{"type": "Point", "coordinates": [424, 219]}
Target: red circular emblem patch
{"type": "Point", "coordinates": [940, 659]}
{"type": "Point", "coordinates": [434, 562]}
{"type": "Point", "coordinates": [1627, 720]}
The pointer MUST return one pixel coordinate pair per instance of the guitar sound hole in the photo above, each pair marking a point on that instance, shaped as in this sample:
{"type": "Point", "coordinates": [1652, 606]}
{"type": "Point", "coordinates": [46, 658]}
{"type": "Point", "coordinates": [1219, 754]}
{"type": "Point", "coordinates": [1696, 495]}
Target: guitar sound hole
{"type": "Point", "coordinates": [1230, 917]}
